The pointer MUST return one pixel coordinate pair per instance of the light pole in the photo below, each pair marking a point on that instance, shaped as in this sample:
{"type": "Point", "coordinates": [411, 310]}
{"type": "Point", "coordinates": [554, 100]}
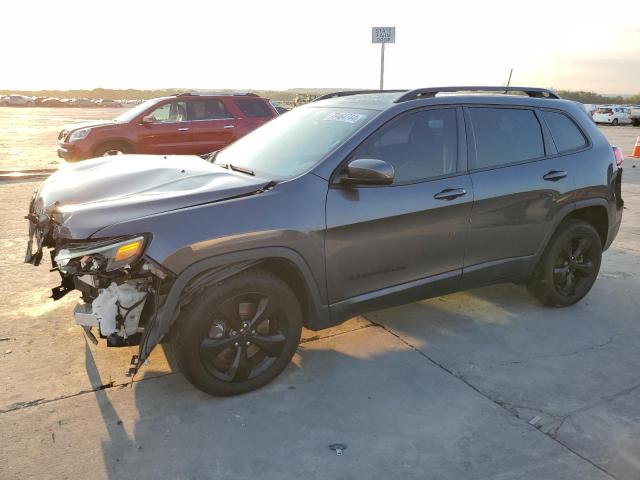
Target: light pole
{"type": "Point", "coordinates": [383, 35]}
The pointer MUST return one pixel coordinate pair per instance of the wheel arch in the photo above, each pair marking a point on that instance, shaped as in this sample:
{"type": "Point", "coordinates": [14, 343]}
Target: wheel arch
{"type": "Point", "coordinates": [283, 262]}
{"type": "Point", "coordinates": [588, 210]}
{"type": "Point", "coordinates": [597, 216]}
{"type": "Point", "coordinates": [114, 141]}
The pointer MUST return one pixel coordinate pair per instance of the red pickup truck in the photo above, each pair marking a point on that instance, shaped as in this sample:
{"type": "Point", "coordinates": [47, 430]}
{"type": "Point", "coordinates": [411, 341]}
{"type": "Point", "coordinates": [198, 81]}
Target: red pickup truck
{"type": "Point", "coordinates": [182, 124]}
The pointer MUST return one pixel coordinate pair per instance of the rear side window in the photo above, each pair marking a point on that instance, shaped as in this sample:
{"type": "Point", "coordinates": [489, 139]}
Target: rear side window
{"type": "Point", "coordinates": [208, 110]}
{"type": "Point", "coordinates": [566, 135]}
{"type": "Point", "coordinates": [254, 108]}
{"type": "Point", "coordinates": [505, 135]}
{"type": "Point", "coordinates": [419, 145]}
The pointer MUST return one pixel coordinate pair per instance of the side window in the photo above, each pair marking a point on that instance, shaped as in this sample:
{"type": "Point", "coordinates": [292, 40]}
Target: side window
{"type": "Point", "coordinates": [208, 110]}
{"type": "Point", "coordinates": [566, 135]}
{"type": "Point", "coordinates": [505, 135]}
{"type": "Point", "coordinates": [254, 108]}
{"type": "Point", "coordinates": [419, 145]}
{"type": "Point", "coordinates": [170, 112]}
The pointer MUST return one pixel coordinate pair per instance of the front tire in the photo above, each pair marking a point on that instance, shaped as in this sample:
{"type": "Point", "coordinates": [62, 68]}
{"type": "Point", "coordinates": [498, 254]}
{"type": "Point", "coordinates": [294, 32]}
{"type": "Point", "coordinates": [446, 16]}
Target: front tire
{"type": "Point", "coordinates": [569, 266]}
{"type": "Point", "coordinates": [109, 149]}
{"type": "Point", "coordinates": [615, 122]}
{"type": "Point", "coordinates": [238, 335]}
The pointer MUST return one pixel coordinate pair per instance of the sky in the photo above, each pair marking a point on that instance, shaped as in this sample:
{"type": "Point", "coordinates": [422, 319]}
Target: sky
{"type": "Point", "coordinates": [562, 44]}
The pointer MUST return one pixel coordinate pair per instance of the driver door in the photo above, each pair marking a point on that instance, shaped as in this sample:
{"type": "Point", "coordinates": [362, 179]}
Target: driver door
{"type": "Point", "coordinates": [386, 240]}
{"type": "Point", "coordinates": [169, 133]}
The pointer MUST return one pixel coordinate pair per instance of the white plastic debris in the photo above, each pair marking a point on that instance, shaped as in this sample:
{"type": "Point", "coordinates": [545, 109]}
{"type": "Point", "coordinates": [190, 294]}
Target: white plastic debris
{"type": "Point", "coordinates": [105, 306]}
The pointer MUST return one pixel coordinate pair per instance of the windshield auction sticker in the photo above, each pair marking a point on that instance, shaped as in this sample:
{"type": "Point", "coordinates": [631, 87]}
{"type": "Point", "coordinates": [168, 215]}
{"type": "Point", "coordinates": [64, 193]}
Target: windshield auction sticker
{"type": "Point", "coordinates": [344, 117]}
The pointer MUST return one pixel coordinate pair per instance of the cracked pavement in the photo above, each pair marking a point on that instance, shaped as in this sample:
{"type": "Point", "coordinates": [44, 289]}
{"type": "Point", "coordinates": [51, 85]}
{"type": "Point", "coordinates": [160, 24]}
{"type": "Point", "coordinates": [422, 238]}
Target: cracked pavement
{"type": "Point", "coordinates": [480, 384]}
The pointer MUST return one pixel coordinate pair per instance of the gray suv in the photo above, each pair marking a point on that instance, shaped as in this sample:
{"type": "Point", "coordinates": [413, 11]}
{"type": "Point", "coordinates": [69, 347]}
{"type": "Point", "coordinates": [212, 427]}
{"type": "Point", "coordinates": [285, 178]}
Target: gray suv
{"type": "Point", "coordinates": [355, 202]}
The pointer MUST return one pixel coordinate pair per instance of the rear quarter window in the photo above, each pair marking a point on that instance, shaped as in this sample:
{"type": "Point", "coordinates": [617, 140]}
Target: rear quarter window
{"type": "Point", "coordinates": [504, 136]}
{"type": "Point", "coordinates": [254, 108]}
{"type": "Point", "coordinates": [566, 134]}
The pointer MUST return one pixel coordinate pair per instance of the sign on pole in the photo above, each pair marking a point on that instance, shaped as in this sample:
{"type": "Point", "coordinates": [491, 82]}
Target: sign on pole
{"type": "Point", "coordinates": [383, 35]}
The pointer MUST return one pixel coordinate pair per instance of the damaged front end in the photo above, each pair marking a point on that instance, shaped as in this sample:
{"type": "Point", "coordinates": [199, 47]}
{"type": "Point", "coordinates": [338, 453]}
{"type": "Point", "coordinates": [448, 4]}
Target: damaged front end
{"type": "Point", "coordinates": [121, 289]}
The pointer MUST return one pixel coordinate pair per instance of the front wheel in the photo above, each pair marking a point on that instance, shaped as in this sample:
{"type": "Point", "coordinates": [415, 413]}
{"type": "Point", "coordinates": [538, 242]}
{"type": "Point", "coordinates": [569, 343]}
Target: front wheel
{"type": "Point", "coordinates": [238, 335]}
{"type": "Point", "coordinates": [109, 149]}
{"type": "Point", "coordinates": [615, 122]}
{"type": "Point", "coordinates": [569, 266]}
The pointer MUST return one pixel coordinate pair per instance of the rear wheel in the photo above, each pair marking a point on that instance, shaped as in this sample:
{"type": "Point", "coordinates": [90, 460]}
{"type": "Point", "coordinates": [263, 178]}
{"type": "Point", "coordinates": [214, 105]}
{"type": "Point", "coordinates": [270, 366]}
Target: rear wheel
{"type": "Point", "coordinates": [238, 335]}
{"type": "Point", "coordinates": [108, 149]}
{"type": "Point", "coordinates": [615, 121]}
{"type": "Point", "coordinates": [569, 266]}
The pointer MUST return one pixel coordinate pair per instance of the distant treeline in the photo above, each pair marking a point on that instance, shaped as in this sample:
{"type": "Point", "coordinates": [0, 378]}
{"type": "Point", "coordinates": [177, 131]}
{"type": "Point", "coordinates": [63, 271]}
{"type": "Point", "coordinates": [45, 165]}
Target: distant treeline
{"type": "Point", "coordinates": [135, 94]}
{"type": "Point", "coordinates": [286, 95]}
{"type": "Point", "coordinates": [596, 98]}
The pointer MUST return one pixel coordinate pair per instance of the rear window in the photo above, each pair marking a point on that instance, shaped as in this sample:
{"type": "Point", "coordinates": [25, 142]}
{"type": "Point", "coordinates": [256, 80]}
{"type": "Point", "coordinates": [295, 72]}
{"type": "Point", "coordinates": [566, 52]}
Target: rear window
{"type": "Point", "coordinates": [254, 108]}
{"type": "Point", "coordinates": [505, 135]}
{"type": "Point", "coordinates": [604, 110]}
{"type": "Point", "coordinates": [566, 135]}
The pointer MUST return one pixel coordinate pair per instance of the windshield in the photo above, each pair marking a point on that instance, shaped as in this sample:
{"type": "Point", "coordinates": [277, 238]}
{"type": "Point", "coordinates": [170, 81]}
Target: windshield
{"type": "Point", "coordinates": [294, 142]}
{"type": "Point", "coordinates": [135, 111]}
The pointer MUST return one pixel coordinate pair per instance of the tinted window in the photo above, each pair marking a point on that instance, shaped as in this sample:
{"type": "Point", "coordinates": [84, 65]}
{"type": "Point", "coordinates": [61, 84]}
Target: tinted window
{"type": "Point", "coordinates": [208, 110]}
{"type": "Point", "coordinates": [505, 135]}
{"type": "Point", "coordinates": [254, 108]}
{"type": "Point", "coordinates": [170, 112]}
{"type": "Point", "coordinates": [565, 133]}
{"type": "Point", "coordinates": [418, 145]}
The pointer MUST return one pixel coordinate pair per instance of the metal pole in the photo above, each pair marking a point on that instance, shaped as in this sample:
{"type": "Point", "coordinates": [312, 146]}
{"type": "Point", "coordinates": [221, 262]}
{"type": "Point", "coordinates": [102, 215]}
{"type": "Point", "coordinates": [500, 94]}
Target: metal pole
{"type": "Point", "coordinates": [382, 66]}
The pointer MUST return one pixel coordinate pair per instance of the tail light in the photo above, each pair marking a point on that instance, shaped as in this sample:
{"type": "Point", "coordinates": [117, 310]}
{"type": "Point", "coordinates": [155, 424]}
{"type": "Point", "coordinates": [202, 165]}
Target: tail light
{"type": "Point", "coordinates": [617, 153]}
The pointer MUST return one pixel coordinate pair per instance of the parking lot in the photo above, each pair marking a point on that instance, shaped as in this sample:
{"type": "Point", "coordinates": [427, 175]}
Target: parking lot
{"type": "Point", "coordinates": [480, 384]}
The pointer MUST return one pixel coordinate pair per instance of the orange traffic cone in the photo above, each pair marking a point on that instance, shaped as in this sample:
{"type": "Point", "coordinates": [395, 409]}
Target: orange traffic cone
{"type": "Point", "coordinates": [636, 150]}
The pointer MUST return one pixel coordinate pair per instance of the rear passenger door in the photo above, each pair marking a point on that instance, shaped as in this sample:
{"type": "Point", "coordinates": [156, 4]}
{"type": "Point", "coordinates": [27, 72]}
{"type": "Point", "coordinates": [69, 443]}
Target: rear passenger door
{"type": "Point", "coordinates": [519, 183]}
{"type": "Point", "coordinates": [212, 124]}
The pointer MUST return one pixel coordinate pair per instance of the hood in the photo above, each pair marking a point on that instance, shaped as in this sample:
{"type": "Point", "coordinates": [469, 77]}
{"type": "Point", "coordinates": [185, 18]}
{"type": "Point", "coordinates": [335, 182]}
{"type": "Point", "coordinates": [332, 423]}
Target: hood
{"type": "Point", "coordinates": [90, 195]}
{"type": "Point", "coordinates": [90, 123]}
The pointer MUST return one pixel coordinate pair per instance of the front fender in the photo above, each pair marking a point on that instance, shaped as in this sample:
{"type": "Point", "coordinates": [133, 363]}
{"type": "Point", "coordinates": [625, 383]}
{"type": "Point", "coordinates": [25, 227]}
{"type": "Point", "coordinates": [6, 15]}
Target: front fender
{"type": "Point", "coordinates": [213, 270]}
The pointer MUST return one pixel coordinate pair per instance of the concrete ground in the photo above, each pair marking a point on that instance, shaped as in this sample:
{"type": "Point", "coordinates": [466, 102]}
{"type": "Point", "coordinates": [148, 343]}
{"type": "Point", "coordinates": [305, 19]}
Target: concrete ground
{"type": "Point", "coordinates": [476, 385]}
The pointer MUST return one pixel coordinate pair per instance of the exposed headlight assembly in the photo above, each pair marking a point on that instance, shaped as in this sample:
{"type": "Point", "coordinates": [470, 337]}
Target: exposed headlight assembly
{"type": "Point", "coordinates": [101, 256]}
{"type": "Point", "coordinates": [79, 134]}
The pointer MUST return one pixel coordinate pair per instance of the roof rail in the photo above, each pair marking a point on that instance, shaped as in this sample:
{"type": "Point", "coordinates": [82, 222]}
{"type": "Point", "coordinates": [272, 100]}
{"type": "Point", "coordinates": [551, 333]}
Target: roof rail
{"type": "Point", "coordinates": [433, 91]}
{"type": "Point", "coordinates": [347, 93]}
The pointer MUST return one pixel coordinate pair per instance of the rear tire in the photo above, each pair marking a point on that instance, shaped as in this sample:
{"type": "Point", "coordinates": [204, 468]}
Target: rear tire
{"type": "Point", "coordinates": [108, 149]}
{"type": "Point", "coordinates": [238, 335]}
{"type": "Point", "coordinates": [615, 122]}
{"type": "Point", "coordinates": [569, 266]}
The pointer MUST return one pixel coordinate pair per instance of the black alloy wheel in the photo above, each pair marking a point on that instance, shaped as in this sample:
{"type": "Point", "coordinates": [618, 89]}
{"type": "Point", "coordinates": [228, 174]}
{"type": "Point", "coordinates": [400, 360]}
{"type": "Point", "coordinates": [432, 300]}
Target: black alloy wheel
{"type": "Point", "coordinates": [575, 265]}
{"type": "Point", "coordinates": [238, 335]}
{"type": "Point", "coordinates": [246, 338]}
{"type": "Point", "coordinates": [569, 266]}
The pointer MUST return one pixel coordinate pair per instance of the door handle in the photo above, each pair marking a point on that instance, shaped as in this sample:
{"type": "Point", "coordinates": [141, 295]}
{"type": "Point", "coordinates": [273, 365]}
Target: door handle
{"type": "Point", "coordinates": [184, 129]}
{"type": "Point", "coordinates": [450, 193]}
{"type": "Point", "coordinates": [555, 175]}
{"type": "Point", "coordinates": [229, 126]}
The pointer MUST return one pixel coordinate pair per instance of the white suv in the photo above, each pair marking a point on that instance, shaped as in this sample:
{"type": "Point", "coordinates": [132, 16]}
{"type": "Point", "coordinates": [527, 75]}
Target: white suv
{"type": "Point", "coordinates": [612, 115]}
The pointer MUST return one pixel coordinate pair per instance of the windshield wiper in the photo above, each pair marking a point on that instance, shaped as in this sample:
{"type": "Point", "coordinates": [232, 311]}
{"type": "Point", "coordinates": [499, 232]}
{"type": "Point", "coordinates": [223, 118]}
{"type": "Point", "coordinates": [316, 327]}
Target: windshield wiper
{"type": "Point", "coordinates": [236, 168]}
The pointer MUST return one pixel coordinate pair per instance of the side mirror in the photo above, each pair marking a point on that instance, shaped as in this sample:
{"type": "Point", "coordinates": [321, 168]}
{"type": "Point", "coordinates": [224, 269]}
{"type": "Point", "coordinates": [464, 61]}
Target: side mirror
{"type": "Point", "coordinates": [147, 119]}
{"type": "Point", "coordinates": [368, 171]}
